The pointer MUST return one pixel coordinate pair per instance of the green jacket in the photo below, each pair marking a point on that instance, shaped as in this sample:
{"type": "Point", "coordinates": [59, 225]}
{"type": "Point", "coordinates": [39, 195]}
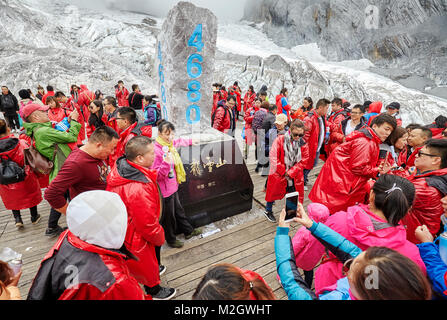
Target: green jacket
{"type": "Point", "coordinates": [45, 137]}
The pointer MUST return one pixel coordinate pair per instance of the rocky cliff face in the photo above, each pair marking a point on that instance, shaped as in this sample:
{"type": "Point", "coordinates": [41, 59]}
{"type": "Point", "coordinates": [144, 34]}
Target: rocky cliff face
{"type": "Point", "coordinates": [406, 35]}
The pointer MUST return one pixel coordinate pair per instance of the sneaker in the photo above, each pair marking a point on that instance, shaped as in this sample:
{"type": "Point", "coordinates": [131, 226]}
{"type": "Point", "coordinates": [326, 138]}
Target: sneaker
{"type": "Point", "coordinates": [270, 217]}
{"type": "Point", "coordinates": [35, 219]}
{"type": "Point", "coordinates": [161, 269]}
{"type": "Point", "coordinates": [19, 224]}
{"type": "Point", "coordinates": [176, 244]}
{"type": "Point", "coordinates": [194, 233]}
{"type": "Point", "coordinates": [164, 294]}
{"type": "Point", "coordinates": [54, 232]}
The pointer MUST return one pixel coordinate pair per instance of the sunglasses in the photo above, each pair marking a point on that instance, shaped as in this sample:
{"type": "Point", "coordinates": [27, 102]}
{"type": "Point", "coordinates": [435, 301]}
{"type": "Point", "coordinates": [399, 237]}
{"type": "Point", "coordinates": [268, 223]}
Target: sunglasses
{"type": "Point", "coordinates": [297, 135]}
{"type": "Point", "coordinates": [347, 266]}
{"type": "Point", "coordinates": [420, 153]}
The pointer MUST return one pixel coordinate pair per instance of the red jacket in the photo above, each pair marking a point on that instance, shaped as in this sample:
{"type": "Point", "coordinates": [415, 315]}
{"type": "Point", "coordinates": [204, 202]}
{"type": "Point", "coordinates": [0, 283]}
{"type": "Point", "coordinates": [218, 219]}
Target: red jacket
{"type": "Point", "coordinates": [70, 105]}
{"type": "Point", "coordinates": [46, 95]}
{"type": "Point", "coordinates": [216, 99]}
{"type": "Point", "coordinates": [426, 209]}
{"type": "Point", "coordinates": [91, 128]}
{"type": "Point", "coordinates": [21, 195]}
{"type": "Point", "coordinates": [137, 129]}
{"type": "Point", "coordinates": [338, 134]}
{"type": "Point", "coordinates": [248, 118]}
{"type": "Point", "coordinates": [311, 137]}
{"type": "Point", "coordinates": [437, 132]}
{"type": "Point", "coordinates": [137, 187]}
{"type": "Point", "coordinates": [223, 119]}
{"type": "Point", "coordinates": [57, 114]}
{"type": "Point", "coordinates": [237, 94]}
{"type": "Point", "coordinates": [111, 121]}
{"type": "Point", "coordinates": [287, 107]}
{"type": "Point", "coordinates": [122, 97]}
{"type": "Point", "coordinates": [102, 273]}
{"type": "Point", "coordinates": [85, 98]}
{"type": "Point", "coordinates": [277, 182]}
{"type": "Point", "coordinates": [249, 98]}
{"type": "Point", "coordinates": [405, 160]}
{"type": "Point", "coordinates": [342, 180]}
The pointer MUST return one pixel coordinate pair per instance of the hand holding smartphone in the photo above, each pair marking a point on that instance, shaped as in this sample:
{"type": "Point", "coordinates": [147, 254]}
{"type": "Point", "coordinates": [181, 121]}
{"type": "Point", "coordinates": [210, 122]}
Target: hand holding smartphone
{"type": "Point", "coordinates": [291, 206]}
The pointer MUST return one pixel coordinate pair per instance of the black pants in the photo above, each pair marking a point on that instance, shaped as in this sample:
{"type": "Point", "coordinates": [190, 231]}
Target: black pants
{"type": "Point", "coordinates": [174, 220]}
{"type": "Point", "coordinates": [309, 277]}
{"type": "Point", "coordinates": [32, 210]}
{"type": "Point", "coordinates": [13, 121]}
{"type": "Point", "coordinates": [55, 215]}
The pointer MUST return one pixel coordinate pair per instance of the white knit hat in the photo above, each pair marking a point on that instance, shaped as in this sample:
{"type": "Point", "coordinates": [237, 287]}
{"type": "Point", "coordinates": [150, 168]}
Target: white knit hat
{"type": "Point", "coordinates": [99, 218]}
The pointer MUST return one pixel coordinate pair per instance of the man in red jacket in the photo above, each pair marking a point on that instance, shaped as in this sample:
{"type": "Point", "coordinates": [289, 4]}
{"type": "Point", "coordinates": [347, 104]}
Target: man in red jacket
{"type": "Point", "coordinates": [342, 180]}
{"type": "Point", "coordinates": [111, 109]}
{"type": "Point", "coordinates": [315, 135]}
{"type": "Point", "coordinates": [430, 181]}
{"type": "Point", "coordinates": [223, 117]}
{"type": "Point", "coordinates": [128, 127]}
{"type": "Point", "coordinates": [88, 262]}
{"type": "Point", "coordinates": [122, 94]}
{"type": "Point", "coordinates": [50, 93]}
{"type": "Point", "coordinates": [70, 105]}
{"type": "Point", "coordinates": [416, 140]}
{"type": "Point", "coordinates": [137, 186]}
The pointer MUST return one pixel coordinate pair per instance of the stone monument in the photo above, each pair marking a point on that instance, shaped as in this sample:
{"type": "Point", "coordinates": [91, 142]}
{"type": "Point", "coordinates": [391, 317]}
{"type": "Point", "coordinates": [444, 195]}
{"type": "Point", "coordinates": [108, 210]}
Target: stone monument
{"type": "Point", "coordinates": [218, 184]}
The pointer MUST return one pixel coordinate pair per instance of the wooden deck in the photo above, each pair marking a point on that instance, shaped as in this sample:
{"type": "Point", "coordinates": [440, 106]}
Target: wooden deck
{"type": "Point", "coordinates": [249, 245]}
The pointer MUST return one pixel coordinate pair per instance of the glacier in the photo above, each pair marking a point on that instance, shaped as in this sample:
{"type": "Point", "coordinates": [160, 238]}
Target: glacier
{"type": "Point", "coordinates": [60, 44]}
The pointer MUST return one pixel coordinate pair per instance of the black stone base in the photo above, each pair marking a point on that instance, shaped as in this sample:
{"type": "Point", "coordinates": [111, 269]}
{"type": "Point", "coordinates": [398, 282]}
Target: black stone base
{"type": "Point", "coordinates": [218, 184]}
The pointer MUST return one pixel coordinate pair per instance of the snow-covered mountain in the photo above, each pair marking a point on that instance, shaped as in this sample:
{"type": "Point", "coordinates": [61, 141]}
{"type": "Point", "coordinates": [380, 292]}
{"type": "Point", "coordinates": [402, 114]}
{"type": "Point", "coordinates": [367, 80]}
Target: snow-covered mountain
{"type": "Point", "coordinates": [61, 44]}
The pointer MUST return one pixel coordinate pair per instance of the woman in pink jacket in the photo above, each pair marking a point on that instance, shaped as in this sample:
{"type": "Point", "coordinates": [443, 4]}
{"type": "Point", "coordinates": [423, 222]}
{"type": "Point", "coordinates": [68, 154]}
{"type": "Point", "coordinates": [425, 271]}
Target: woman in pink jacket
{"type": "Point", "coordinates": [375, 224]}
{"type": "Point", "coordinates": [171, 173]}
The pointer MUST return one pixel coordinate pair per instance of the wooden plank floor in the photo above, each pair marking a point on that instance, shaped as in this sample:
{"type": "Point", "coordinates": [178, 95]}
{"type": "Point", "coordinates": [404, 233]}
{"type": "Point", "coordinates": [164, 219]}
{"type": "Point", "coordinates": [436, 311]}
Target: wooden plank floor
{"type": "Point", "coordinates": [249, 245]}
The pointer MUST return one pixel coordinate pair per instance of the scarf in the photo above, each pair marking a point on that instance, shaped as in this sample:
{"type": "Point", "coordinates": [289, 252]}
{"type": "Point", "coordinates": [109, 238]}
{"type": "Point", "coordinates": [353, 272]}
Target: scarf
{"type": "Point", "coordinates": [292, 151]}
{"type": "Point", "coordinates": [178, 164]}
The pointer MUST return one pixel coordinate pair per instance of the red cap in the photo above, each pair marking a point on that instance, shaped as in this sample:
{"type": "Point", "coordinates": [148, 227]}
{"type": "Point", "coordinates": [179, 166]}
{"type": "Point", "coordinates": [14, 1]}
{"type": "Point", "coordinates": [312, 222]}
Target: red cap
{"type": "Point", "coordinates": [30, 108]}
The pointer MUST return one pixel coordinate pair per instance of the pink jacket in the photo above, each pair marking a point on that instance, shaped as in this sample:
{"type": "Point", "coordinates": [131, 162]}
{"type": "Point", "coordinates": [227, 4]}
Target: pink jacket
{"type": "Point", "coordinates": [308, 252]}
{"type": "Point", "coordinates": [168, 186]}
{"type": "Point", "coordinates": [360, 226]}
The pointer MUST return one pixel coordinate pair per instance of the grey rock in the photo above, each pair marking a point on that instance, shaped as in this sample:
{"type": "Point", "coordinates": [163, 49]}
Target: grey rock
{"type": "Point", "coordinates": [410, 34]}
{"type": "Point", "coordinates": [177, 30]}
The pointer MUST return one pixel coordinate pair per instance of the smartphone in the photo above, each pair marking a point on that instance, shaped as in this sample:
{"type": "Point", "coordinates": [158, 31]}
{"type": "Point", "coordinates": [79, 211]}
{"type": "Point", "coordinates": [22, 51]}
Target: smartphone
{"type": "Point", "coordinates": [291, 205]}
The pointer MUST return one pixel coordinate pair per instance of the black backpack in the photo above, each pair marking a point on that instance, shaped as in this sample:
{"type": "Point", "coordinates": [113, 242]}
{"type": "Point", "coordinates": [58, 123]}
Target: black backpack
{"type": "Point", "coordinates": [10, 172]}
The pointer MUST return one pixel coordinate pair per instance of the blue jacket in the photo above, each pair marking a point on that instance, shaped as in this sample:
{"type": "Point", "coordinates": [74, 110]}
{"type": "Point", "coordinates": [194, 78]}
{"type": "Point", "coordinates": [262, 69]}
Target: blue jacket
{"type": "Point", "coordinates": [436, 268]}
{"type": "Point", "coordinates": [293, 284]}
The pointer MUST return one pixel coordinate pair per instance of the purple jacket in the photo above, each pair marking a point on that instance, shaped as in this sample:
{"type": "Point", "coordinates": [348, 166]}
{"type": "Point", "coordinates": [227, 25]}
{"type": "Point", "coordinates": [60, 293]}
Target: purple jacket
{"type": "Point", "coordinates": [168, 186]}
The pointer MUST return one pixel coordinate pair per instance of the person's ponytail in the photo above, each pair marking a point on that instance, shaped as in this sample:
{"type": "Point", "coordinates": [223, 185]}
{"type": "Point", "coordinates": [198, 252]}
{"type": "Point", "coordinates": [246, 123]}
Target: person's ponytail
{"type": "Point", "coordinates": [396, 206]}
{"type": "Point", "coordinates": [393, 196]}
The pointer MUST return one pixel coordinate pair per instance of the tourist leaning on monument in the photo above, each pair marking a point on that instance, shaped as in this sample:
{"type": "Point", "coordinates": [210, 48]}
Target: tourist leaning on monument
{"type": "Point", "coordinates": [223, 117]}
{"type": "Point", "coordinates": [171, 173]}
{"type": "Point", "coordinates": [136, 184]}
